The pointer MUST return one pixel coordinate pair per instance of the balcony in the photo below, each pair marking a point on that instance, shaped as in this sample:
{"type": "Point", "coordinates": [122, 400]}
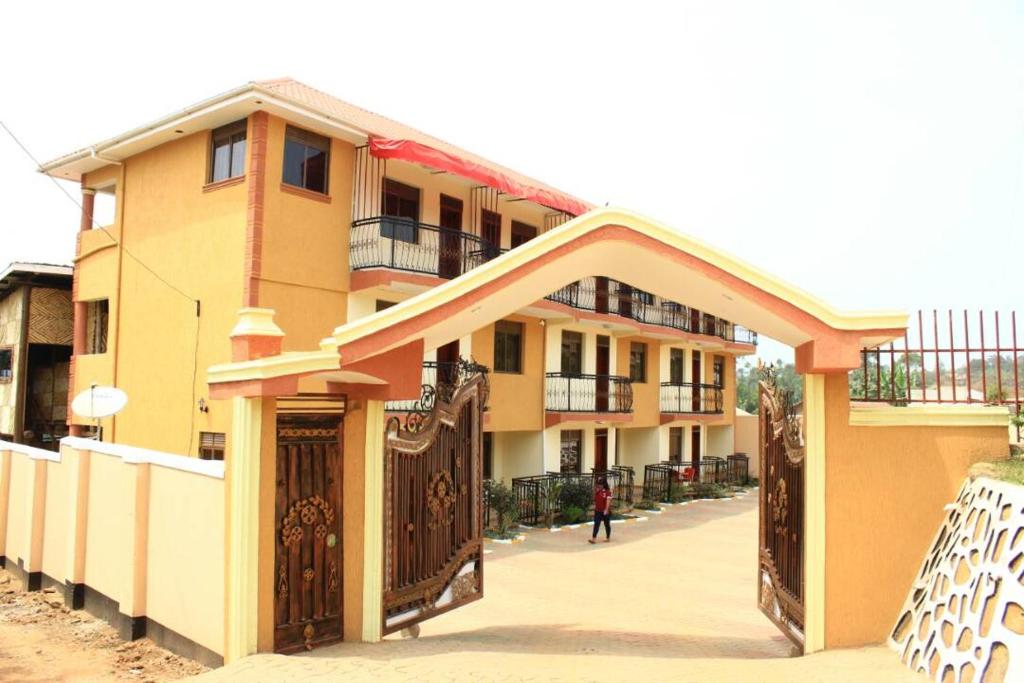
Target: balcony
{"type": "Point", "coordinates": [566, 393]}
{"type": "Point", "coordinates": [690, 398]}
{"type": "Point", "coordinates": [413, 247]}
{"type": "Point", "coordinates": [602, 295]}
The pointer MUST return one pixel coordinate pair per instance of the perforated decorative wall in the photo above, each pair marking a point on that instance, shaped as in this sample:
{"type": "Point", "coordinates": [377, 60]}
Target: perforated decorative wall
{"type": "Point", "coordinates": [963, 621]}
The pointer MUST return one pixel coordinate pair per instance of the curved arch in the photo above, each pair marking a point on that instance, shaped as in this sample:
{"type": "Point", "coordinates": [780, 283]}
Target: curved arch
{"type": "Point", "coordinates": [625, 246]}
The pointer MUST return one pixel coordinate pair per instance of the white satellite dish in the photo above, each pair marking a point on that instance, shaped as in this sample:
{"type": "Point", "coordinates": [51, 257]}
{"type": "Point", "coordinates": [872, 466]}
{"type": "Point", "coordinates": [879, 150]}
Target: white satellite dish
{"type": "Point", "coordinates": [96, 402]}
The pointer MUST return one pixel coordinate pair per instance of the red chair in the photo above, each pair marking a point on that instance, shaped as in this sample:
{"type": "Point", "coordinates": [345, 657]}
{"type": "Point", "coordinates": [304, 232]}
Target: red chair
{"type": "Point", "coordinates": [686, 475]}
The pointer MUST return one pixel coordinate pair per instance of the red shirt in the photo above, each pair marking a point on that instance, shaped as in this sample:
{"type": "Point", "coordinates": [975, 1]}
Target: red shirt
{"type": "Point", "coordinates": [602, 499]}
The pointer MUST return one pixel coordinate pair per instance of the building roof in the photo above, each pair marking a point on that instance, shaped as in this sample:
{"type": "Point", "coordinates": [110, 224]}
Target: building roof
{"type": "Point", "coordinates": [46, 274]}
{"type": "Point", "coordinates": [283, 97]}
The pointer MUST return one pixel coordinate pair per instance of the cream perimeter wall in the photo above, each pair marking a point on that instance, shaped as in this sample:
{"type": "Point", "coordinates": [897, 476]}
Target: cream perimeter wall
{"type": "Point", "coordinates": [141, 532]}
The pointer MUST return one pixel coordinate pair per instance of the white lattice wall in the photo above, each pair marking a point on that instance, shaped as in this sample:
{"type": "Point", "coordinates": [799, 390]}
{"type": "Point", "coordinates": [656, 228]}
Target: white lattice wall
{"type": "Point", "coordinates": [963, 621]}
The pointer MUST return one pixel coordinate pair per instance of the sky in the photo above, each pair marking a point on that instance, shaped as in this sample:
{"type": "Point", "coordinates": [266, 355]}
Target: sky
{"type": "Point", "coordinates": [871, 153]}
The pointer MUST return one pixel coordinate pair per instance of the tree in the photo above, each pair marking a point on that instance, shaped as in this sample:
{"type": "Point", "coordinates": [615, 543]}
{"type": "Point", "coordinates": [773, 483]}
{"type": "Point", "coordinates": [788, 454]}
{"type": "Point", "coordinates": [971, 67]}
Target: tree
{"type": "Point", "coordinates": [748, 388]}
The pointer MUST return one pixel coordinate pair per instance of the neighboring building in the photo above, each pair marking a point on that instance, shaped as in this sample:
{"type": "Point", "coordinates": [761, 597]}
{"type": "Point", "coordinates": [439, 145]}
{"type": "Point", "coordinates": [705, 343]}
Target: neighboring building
{"type": "Point", "coordinates": [35, 350]}
{"type": "Point", "coordinates": [348, 213]}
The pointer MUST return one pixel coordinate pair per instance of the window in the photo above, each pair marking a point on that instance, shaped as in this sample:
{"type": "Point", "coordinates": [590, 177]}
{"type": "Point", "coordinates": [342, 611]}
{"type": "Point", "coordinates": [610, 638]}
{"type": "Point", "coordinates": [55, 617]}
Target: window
{"type": "Point", "coordinates": [508, 346]}
{"type": "Point", "coordinates": [521, 232]}
{"type": "Point", "coordinates": [675, 366]}
{"type": "Point", "coordinates": [401, 208]}
{"type": "Point", "coordinates": [211, 445]}
{"type": "Point", "coordinates": [571, 456]}
{"type": "Point", "coordinates": [572, 353]}
{"type": "Point", "coordinates": [675, 444]}
{"type": "Point", "coordinates": [719, 370]}
{"type": "Point", "coordinates": [638, 362]}
{"type": "Point", "coordinates": [6, 364]}
{"type": "Point", "coordinates": [381, 304]}
{"type": "Point", "coordinates": [97, 314]}
{"type": "Point", "coordinates": [306, 157]}
{"type": "Point", "coordinates": [227, 152]}
{"type": "Point", "coordinates": [488, 455]}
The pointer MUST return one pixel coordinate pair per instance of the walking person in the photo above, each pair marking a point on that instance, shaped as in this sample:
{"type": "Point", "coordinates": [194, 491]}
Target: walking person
{"type": "Point", "coordinates": [602, 511]}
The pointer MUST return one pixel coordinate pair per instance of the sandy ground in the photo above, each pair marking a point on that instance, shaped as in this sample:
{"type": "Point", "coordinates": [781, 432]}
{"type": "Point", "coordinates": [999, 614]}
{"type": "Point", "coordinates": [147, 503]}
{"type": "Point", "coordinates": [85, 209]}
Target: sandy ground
{"type": "Point", "coordinates": [42, 641]}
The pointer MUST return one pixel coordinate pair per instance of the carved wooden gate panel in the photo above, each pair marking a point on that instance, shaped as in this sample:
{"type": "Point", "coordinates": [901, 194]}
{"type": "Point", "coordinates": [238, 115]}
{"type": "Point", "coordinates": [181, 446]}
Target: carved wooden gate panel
{"type": "Point", "coordinates": [433, 502]}
{"type": "Point", "coordinates": [781, 569]}
{"type": "Point", "coordinates": [307, 568]}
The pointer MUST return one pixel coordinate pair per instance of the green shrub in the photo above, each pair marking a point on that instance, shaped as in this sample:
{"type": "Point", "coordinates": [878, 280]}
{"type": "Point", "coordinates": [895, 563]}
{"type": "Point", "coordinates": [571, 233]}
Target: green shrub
{"type": "Point", "coordinates": [709, 490]}
{"type": "Point", "coordinates": [572, 514]}
{"type": "Point", "coordinates": [575, 494]}
{"type": "Point", "coordinates": [647, 505]}
{"type": "Point", "coordinates": [503, 505]}
{"type": "Point", "coordinates": [551, 496]}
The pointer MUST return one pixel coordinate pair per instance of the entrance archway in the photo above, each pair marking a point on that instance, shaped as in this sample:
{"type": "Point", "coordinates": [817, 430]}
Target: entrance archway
{"type": "Point", "coordinates": [378, 358]}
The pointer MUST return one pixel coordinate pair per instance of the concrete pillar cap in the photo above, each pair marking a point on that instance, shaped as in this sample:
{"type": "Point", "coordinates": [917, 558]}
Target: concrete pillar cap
{"type": "Point", "coordinates": [256, 322]}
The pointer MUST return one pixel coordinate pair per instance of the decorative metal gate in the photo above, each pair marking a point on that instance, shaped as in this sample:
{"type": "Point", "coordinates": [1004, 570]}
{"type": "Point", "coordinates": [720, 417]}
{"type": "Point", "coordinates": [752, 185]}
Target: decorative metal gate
{"type": "Point", "coordinates": [433, 501]}
{"type": "Point", "coordinates": [781, 569]}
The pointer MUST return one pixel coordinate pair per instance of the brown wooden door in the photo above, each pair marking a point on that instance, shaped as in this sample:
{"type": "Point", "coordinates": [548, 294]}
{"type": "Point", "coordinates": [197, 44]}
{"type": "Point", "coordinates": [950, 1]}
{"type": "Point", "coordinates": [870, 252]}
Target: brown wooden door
{"type": "Point", "coordinates": [601, 450]}
{"type": "Point", "coordinates": [450, 242]}
{"type": "Point", "coordinates": [601, 294]}
{"type": "Point", "coordinates": [695, 450]}
{"type": "Point", "coordinates": [696, 379]}
{"type": "Point", "coordinates": [448, 362]}
{"type": "Point", "coordinates": [490, 231]}
{"type": "Point", "coordinates": [603, 367]}
{"type": "Point", "coordinates": [625, 301]}
{"type": "Point", "coordinates": [522, 233]}
{"type": "Point", "coordinates": [308, 566]}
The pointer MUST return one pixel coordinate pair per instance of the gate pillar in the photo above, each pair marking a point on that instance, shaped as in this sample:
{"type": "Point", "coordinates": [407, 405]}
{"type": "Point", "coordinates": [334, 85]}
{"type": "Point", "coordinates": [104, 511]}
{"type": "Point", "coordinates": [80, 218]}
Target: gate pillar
{"type": "Point", "coordinates": [363, 519]}
{"type": "Point", "coordinates": [814, 513]}
{"type": "Point", "coordinates": [242, 487]}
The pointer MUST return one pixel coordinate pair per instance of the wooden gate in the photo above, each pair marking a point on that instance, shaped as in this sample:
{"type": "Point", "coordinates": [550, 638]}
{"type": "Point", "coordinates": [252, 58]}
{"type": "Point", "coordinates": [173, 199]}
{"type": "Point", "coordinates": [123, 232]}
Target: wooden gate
{"type": "Point", "coordinates": [433, 502]}
{"type": "Point", "coordinates": [307, 570]}
{"type": "Point", "coordinates": [781, 569]}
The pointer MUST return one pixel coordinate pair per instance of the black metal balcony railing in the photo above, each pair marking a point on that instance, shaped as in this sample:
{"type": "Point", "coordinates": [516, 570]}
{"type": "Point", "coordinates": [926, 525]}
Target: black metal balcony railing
{"type": "Point", "coordinates": [689, 397]}
{"type": "Point", "coordinates": [602, 295]}
{"type": "Point", "coordinates": [404, 244]}
{"type": "Point", "coordinates": [588, 393]}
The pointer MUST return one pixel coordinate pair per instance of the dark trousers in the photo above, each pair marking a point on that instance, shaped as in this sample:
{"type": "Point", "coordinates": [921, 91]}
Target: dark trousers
{"type": "Point", "coordinates": [607, 519]}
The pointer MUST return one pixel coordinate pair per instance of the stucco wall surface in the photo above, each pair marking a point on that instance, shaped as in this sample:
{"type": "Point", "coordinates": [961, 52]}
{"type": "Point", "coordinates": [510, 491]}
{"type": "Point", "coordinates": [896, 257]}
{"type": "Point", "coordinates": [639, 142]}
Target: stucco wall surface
{"type": "Point", "coordinates": [142, 528]}
{"type": "Point", "coordinates": [885, 488]}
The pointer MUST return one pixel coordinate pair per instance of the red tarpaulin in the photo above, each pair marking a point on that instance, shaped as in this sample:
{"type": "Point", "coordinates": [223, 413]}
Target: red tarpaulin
{"type": "Point", "coordinates": [407, 150]}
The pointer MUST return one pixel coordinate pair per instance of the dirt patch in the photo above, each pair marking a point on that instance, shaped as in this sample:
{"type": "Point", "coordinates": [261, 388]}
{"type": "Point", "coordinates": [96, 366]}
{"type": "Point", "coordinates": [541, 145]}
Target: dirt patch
{"type": "Point", "coordinates": [42, 640]}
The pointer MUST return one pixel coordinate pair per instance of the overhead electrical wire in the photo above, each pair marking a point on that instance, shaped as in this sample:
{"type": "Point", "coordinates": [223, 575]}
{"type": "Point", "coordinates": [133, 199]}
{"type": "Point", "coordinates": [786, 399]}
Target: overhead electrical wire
{"type": "Point", "coordinates": [143, 264]}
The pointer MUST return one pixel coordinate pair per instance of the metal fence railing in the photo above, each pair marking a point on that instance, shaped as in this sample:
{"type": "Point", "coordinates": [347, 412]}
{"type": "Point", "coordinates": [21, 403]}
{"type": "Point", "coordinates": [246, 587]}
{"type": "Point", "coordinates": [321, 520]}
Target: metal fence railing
{"type": "Point", "coordinates": [539, 499]}
{"type": "Point", "coordinates": [669, 481]}
{"type": "Point", "coordinates": [958, 357]}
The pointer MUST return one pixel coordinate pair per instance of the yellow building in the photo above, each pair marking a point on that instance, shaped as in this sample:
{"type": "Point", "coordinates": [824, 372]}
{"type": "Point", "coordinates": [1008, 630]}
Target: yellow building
{"type": "Point", "coordinates": [285, 270]}
{"type": "Point", "coordinates": [275, 195]}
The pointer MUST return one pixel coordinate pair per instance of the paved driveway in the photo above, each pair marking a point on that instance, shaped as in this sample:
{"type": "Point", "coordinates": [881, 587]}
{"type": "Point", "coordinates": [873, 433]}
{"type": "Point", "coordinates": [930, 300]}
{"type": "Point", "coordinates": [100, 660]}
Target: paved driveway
{"type": "Point", "coordinates": [672, 598]}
